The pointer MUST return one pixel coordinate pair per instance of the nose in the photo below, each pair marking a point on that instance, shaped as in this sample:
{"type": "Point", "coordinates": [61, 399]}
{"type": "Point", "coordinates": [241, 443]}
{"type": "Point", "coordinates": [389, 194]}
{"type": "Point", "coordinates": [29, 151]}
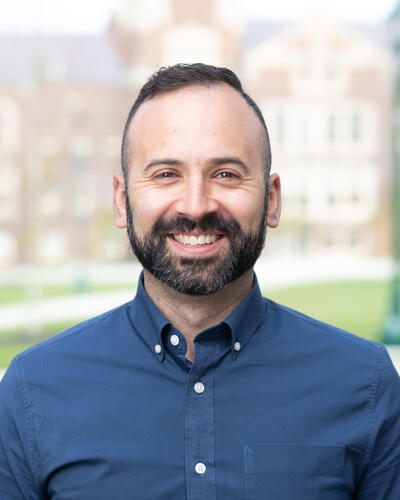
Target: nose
{"type": "Point", "coordinates": [197, 199]}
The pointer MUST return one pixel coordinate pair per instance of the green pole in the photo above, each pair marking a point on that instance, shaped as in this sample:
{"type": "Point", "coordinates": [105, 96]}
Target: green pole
{"type": "Point", "coordinates": [391, 327]}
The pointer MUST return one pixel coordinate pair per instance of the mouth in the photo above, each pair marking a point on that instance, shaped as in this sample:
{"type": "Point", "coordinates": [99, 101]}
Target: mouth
{"type": "Point", "coordinates": [191, 240]}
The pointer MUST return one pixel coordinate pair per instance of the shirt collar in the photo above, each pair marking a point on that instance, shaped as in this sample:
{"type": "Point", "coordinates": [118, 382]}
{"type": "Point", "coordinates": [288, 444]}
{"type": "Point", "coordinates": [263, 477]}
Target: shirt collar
{"type": "Point", "coordinates": [246, 318]}
{"type": "Point", "coordinates": [150, 323]}
{"type": "Point", "coordinates": [148, 320]}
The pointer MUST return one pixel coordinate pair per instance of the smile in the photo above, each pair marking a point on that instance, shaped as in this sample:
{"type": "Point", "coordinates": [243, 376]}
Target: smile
{"type": "Point", "coordinates": [191, 240]}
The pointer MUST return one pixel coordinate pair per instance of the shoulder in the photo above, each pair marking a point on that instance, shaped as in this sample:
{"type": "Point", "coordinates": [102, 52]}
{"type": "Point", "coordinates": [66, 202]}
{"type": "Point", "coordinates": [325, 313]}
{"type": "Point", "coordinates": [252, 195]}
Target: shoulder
{"type": "Point", "coordinates": [307, 333]}
{"type": "Point", "coordinates": [82, 337]}
{"type": "Point", "coordinates": [349, 365]}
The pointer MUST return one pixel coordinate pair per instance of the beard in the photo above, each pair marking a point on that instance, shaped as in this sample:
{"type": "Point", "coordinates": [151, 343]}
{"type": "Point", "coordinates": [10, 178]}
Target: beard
{"type": "Point", "coordinates": [199, 275]}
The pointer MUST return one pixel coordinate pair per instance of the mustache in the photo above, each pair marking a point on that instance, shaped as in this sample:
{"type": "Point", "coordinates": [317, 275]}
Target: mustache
{"type": "Point", "coordinates": [209, 222]}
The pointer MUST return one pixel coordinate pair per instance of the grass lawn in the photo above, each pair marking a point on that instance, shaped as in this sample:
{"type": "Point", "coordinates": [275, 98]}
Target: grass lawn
{"type": "Point", "coordinates": [7, 352]}
{"type": "Point", "coordinates": [18, 293]}
{"type": "Point", "coordinates": [14, 341]}
{"type": "Point", "coordinates": [356, 306]}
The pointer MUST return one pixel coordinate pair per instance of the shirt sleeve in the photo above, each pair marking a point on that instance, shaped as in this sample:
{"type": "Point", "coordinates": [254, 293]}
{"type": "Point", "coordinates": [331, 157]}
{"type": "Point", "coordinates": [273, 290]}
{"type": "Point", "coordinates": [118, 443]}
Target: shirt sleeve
{"type": "Point", "coordinates": [18, 479]}
{"type": "Point", "coordinates": [381, 480]}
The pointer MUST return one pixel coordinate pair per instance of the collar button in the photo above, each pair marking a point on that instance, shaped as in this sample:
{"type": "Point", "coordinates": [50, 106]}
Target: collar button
{"type": "Point", "coordinates": [174, 339]}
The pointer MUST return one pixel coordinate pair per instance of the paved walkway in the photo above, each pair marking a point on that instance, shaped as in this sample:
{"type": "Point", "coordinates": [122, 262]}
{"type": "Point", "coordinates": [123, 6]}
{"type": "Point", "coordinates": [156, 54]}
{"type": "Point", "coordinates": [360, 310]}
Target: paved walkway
{"type": "Point", "coordinates": [68, 308]}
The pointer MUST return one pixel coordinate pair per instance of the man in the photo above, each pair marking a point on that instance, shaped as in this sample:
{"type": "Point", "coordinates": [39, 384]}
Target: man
{"type": "Point", "coordinates": [199, 388]}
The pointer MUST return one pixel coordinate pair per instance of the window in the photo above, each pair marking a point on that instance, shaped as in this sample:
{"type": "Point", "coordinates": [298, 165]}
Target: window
{"type": "Point", "coordinates": [332, 128]}
{"type": "Point", "coordinates": [9, 125]}
{"type": "Point", "coordinates": [330, 72]}
{"type": "Point", "coordinates": [80, 151]}
{"type": "Point", "coordinates": [8, 246]}
{"type": "Point", "coordinates": [304, 129]}
{"type": "Point", "coordinates": [355, 238]}
{"type": "Point", "coordinates": [280, 128]}
{"type": "Point", "coordinates": [356, 127]}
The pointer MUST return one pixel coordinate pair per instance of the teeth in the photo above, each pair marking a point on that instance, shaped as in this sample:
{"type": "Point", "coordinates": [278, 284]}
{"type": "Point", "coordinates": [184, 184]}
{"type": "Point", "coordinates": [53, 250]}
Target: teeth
{"type": "Point", "coordinates": [203, 239]}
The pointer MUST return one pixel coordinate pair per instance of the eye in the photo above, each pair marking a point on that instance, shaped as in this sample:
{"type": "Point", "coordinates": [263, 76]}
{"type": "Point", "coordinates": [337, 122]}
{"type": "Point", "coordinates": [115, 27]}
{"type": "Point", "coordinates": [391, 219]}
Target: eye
{"type": "Point", "coordinates": [165, 175]}
{"type": "Point", "coordinates": [227, 174]}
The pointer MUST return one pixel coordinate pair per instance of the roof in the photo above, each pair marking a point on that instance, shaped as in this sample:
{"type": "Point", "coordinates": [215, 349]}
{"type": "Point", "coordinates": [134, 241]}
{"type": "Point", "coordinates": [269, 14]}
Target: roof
{"type": "Point", "coordinates": [83, 59]}
{"type": "Point", "coordinates": [259, 31]}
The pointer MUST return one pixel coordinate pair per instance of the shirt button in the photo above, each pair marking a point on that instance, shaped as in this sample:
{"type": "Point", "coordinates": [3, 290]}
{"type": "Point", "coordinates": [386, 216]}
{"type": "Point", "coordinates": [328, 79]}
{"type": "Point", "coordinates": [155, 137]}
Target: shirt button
{"type": "Point", "coordinates": [174, 340]}
{"type": "Point", "coordinates": [199, 387]}
{"type": "Point", "coordinates": [200, 468]}
{"type": "Point", "coordinates": [157, 348]}
{"type": "Point", "coordinates": [237, 346]}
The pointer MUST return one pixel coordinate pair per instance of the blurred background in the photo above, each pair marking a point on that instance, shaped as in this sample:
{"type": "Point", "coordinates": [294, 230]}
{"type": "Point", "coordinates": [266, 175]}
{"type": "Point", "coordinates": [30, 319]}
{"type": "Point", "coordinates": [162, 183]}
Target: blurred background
{"type": "Point", "coordinates": [325, 78]}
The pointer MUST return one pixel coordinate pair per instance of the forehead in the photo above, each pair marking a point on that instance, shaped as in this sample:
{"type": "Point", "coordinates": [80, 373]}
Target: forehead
{"type": "Point", "coordinates": [196, 121]}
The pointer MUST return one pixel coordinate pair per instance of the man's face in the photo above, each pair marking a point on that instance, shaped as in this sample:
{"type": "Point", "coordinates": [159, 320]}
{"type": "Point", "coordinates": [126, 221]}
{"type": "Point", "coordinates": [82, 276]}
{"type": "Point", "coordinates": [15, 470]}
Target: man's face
{"type": "Point", "coordinates": [196, 197]}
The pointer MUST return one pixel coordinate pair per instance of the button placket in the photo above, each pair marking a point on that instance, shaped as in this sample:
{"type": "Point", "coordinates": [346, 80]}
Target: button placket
{"type": "Point", "coordinates": [200, 426]}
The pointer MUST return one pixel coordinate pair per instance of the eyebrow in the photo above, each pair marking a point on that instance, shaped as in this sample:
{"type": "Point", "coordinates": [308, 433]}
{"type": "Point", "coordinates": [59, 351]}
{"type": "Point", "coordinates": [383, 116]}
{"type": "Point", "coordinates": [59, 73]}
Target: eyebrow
{"type": "Point", "coordinates": [162, 161]}
{"type": "Point", "coordinates": [223, 160]}
{"type": "Point", "coordinates": [229, 159]}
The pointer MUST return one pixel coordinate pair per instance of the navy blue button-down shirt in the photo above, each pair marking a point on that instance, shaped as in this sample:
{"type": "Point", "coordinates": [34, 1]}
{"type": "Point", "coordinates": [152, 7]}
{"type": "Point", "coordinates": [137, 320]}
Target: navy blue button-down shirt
{"type": "Point", "coordinates": [275, 406]}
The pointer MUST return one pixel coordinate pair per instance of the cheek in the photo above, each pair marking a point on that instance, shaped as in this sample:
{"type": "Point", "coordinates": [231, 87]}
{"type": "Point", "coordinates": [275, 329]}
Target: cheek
{"type": "Point", "coordinates": [147, 209]}
{"type": "Point", "coordinates": [247, 210]}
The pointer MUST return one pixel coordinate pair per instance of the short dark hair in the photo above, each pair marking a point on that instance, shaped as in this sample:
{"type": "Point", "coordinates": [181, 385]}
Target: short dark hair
{"type": "Point", "coordinates": [178, 76]}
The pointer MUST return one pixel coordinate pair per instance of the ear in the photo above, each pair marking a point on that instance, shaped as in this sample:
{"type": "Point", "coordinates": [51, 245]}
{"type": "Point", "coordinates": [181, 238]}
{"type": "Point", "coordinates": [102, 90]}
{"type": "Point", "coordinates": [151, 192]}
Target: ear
{"type": "Point", "coordinates": [274, 201]}
{"type": "Point", "coordinates": [119, 198]}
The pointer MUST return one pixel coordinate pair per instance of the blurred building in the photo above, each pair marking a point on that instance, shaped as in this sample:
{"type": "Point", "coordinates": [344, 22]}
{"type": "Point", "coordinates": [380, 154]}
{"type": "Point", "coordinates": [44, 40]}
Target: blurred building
{"type": "Point", "coordinates": [163, 32]}
{"type": "Point", "coordinates": [63, 102]}
{"type": "Point", "coordinates": [324, 91]}
{"type": "Point", "coordinates": [325, 94]}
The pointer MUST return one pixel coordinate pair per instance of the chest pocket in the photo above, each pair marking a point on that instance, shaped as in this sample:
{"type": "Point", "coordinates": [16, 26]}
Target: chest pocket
{"type": "Point", "coordinates": [293, 472]}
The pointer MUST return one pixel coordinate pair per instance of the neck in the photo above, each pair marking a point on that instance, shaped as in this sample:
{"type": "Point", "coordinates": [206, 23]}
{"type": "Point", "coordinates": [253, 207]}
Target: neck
{"type": "Point", "coordinates": [191, 314]}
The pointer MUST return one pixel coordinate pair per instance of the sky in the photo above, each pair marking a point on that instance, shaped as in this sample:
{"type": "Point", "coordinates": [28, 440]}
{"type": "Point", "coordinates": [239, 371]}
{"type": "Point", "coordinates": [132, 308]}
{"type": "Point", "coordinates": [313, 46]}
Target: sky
{"type": "Point", "coordinates": [92, 16]}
